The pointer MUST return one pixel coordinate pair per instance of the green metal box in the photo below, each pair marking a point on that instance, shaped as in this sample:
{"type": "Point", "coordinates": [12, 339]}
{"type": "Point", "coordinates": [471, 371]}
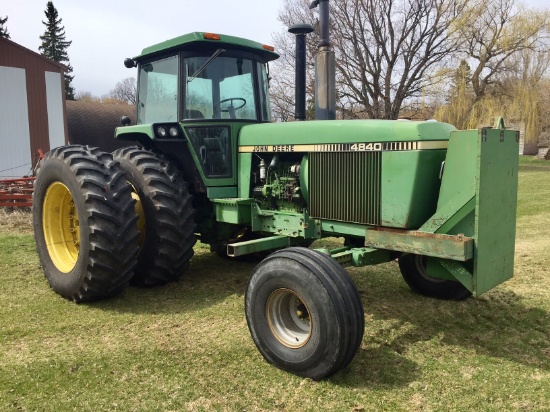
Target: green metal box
{"type": "Point", "coordinates": [410, 182]}
{"type": "Point", "coordinates": [478, 200]}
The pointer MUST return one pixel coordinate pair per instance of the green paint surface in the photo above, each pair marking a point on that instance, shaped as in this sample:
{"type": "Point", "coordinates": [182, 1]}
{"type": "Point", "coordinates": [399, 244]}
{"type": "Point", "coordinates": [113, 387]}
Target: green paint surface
{"type": "Point", "coordinates": [495, 222]}
{"type": "Point", "coordinates": [478, 199]}
{"type": "Point", "coordinates": [410, 187]}
{"type": "Point", "coordinates": [134, 132]}
{"type": "Point", "coordinates": [343, 131]}
{"type": "Point", "coordinates": [196, 41]}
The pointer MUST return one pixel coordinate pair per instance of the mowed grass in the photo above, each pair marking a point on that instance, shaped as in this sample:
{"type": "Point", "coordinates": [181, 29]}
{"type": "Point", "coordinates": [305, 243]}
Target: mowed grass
{"type": "Point", "coordinates": [186, 346]}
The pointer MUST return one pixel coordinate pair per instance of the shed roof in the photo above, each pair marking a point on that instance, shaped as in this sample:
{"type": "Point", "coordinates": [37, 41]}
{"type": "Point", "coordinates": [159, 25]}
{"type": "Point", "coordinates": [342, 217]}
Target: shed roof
{"type": "Point", "coordinates": [8, 44]}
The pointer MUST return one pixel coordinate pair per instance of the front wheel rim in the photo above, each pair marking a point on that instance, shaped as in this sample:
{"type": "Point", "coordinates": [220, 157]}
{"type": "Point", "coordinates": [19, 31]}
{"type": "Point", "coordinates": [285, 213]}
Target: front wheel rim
{"type": "Point", "coordinates": [289, 318]}
{"type": "Point", "coordinates": [61, 227]}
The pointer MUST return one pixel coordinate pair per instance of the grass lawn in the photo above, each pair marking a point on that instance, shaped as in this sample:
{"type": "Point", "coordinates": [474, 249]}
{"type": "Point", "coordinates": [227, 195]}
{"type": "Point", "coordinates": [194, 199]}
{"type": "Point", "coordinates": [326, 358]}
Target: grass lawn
{"type": "Point", "coordinates": [186, 346]}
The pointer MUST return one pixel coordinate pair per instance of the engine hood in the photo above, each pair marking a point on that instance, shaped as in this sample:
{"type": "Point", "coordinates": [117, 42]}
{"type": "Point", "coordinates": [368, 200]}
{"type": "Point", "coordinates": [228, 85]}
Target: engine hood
{"type": "Point", "coordinates": [288, 136]}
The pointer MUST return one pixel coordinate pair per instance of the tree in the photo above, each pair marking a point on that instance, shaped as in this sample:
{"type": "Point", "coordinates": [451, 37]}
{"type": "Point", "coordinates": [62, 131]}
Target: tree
{"type": "Point", "coordinates": [387, 51]}
{"type": "Point", "coordinates": [282, 80]}
{"type": "Point", "coordinates": [124, 91]}
{"type": "Point", "coordinates": [460, 98]}
{"type": "Point", "coordinates": [521, 96]}
{"type": "Point", "coordinates": [4, 30]}
{"type": "Point", "coordinates": [493, 33]}
{"type": "Point", "coordinates": [390, 51]}
{"type": "Point", "coordinates": [54, 46]}
{"type": "Point", "coordinates": [86, 96]}
{"type": "Point", "coordinates": [506, 47]}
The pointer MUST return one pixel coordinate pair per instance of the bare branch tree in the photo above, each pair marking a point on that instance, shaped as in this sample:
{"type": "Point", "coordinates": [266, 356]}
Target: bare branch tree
{"type": "Point", "coordinates": [387, 51]}
{"type": "Point", "coordinates": [86, 96]}
{"type": "Point", "coordinates": [282, 70]}
{"type": "Point", "coordinates": [124, 91]}
{"type": "Point", "coordinates": [494, 32]}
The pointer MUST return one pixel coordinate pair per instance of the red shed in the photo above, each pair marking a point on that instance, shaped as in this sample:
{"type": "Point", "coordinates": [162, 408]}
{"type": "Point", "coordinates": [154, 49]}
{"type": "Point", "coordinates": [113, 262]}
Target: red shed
{"type": "Point", "coordinates": [32, 108]}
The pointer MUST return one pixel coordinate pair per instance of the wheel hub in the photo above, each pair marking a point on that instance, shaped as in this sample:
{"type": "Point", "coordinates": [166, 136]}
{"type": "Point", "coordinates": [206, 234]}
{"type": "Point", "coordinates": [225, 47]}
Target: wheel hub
{"type": "Point", "coordinates": [61, 227]}
{"type": "Point", "coordinates": [421, 263]}
{"type": "Point", "coordinates": [288, 318]}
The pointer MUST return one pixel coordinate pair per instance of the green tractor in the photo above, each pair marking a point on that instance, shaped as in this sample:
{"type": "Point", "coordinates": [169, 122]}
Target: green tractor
{"type": "Point", "coordinates": [208, 164]}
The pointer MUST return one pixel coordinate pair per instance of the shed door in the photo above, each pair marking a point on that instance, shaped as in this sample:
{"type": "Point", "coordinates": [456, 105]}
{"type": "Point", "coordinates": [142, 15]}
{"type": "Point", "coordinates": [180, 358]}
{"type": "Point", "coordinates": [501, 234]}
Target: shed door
{"type": "Point", "coordinates": [15, 156]}
{"type": "Point", "coordinates": [54, 99]}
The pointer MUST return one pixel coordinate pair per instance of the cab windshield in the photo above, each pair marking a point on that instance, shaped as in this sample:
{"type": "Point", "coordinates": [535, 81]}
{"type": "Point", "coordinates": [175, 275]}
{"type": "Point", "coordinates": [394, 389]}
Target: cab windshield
{"type": "Point", "coordinates": [224, 89]}
{"type": "Point", "coordinates": [214, 87]}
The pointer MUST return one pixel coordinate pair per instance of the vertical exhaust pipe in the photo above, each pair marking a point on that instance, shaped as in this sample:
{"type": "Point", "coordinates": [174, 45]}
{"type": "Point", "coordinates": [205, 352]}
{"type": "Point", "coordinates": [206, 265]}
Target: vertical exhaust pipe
{"type": "Point", "coordinates": [300, 31]}
{"type": "Point", "coordinates": [325, 67]}
{"type": "Point", "coordinates": [324, 35]}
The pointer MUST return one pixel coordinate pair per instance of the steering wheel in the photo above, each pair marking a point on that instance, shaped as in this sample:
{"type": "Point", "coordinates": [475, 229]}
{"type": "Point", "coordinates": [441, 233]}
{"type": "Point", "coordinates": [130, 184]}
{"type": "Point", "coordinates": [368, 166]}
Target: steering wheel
{"type": "Point", "coordinates": [232, 99]}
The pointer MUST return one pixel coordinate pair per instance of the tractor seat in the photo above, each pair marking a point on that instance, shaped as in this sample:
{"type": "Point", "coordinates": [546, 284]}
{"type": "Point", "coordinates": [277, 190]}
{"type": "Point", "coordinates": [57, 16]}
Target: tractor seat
{"type": "Point", "coordinates": [193, 114]}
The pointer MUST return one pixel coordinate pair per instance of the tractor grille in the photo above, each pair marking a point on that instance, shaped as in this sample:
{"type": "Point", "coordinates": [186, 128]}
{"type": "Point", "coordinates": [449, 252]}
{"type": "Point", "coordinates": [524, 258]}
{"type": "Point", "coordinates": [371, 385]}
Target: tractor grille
{"type": "Point", "coordinates": [345, 186]}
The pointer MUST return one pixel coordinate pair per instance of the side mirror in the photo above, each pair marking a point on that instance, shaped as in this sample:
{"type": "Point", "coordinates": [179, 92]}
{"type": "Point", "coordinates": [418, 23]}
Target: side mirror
{"type": "Point", "coordinates": [125, 120]}
{"type": "Point", "coordinates": [129, 63]}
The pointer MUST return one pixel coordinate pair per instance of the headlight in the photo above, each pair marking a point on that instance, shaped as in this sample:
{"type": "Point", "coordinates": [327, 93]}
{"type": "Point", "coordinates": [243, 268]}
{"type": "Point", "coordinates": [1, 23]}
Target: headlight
{"type": "Point", "coordinates": [161, 131]}
{"type": "Point", "coordinates": [173, 131]}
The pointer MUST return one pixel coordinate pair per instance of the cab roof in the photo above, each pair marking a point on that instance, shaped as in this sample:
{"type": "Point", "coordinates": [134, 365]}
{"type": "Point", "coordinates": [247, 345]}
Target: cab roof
{"type": "Point", "coordinates": [201, 41]}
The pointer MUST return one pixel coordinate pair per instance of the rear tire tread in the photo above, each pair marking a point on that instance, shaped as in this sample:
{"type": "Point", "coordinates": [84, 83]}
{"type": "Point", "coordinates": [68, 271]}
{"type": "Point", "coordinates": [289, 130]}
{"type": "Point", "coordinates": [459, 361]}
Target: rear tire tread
{"type": "Point", "coordinates": [109, 215]}
{"type": "Point", "coordinates": [170, 238]}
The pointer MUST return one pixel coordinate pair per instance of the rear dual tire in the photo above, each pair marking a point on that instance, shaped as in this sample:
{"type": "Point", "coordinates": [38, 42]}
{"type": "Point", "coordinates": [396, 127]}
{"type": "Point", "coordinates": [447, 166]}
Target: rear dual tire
{"type": "Point", "coordinates": [166, 216]}
{"type": "Point", "coordinates": [85, 218]}
{"type": "Point", "coordinates": [84, 223]}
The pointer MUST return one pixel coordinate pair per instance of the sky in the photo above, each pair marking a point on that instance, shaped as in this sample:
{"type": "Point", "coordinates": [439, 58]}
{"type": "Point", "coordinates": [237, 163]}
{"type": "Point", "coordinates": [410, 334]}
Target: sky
{"type": "Point", "coordinates": [105, 32]}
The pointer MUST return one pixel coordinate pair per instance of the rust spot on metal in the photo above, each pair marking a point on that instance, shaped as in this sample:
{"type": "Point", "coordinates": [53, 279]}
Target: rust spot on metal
{"type": "Point", "coordinates": [427, 235]}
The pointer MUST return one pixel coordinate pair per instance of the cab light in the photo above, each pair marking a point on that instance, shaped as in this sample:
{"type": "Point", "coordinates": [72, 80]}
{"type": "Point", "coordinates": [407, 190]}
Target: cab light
{"type": "Point", "coordinates": [211, 36]}
{"type": "Point", "coordinates": [270, 48]}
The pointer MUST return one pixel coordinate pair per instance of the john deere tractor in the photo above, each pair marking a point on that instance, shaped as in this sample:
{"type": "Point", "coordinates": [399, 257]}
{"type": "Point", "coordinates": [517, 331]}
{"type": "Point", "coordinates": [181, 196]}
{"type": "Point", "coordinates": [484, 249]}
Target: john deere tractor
{"type": "Point", "coordinates": [209, 164]}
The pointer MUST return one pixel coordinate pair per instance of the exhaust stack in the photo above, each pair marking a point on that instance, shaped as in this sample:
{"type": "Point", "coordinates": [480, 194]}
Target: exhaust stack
{"type": "Point", "coordinates": [325, 67]}
{"type": "Point", "coordinates": [300, 31]}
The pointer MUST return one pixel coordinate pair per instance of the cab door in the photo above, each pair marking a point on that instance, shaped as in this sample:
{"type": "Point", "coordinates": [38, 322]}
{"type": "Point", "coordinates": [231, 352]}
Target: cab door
{"type": "Point", "coordinates": [219, 98]}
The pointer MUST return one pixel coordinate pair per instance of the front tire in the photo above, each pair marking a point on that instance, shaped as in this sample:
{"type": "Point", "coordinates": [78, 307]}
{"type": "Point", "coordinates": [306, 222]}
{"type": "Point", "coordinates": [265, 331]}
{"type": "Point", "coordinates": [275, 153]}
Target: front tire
{"type": "Point", "coordinates": [165, 211]}
{"type": "Point", "coordinates": [84, 223]}
{"type": "Point", "coordinates": [413, 270]}
{"type": "Point", "coordinates": [304, 313]}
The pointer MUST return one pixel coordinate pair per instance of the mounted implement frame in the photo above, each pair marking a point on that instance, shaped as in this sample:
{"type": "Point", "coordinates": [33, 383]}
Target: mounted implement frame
{"type": "Point", "coordinates": [16, 192]}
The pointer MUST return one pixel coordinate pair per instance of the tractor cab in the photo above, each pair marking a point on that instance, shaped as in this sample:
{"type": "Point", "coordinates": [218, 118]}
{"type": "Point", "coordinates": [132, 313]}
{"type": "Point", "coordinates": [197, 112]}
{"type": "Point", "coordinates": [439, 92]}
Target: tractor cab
{"type": "Point", "coordinates": [200, 89]}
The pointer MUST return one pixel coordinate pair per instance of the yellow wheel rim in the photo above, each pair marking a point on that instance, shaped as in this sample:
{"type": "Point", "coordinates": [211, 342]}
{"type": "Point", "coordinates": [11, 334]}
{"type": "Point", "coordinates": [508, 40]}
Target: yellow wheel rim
{"type": "Point", "coordinates": [61, 227]}
{"type": "Point", "coordinates": [138, 207]}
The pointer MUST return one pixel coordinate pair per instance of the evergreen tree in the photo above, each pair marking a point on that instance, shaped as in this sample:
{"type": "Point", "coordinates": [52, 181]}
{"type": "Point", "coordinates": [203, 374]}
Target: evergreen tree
{"type": "Point", "coordinates": [3, 29]}
{"type": "Point", "coordinates": [54, 46]}
{"type": "Point", "coordinates": [462, 76]}
{"type": "Point", "coordinates": [460, 100]}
